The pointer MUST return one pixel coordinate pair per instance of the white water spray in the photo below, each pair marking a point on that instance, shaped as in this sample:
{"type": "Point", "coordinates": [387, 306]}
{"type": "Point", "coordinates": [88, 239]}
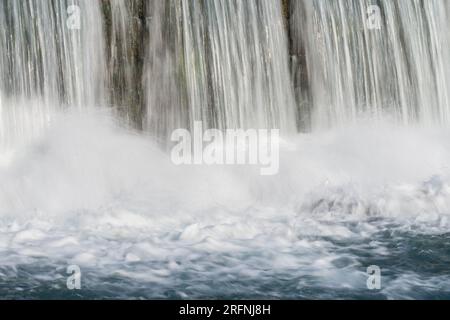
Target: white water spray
{"type": "Point", "coordinates": [47, 63]}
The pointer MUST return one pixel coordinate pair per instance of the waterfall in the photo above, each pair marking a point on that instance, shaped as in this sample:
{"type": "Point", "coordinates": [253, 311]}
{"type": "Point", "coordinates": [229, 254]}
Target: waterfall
{"type": "Point", "coordinates": [96, 191]}
{"type": "Point", "coordinates": [231, 64]}
{"type": "Point", "coordinates": [221, 62]}
{"type": "Point", "coordinates": [400, 69]}
{"type": "Point", "coordinates": [47, 61]}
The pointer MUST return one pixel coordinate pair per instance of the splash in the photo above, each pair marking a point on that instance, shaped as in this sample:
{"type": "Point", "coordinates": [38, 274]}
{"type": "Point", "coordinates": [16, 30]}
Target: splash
{"type": "Point", "coordinates": [94, 194]}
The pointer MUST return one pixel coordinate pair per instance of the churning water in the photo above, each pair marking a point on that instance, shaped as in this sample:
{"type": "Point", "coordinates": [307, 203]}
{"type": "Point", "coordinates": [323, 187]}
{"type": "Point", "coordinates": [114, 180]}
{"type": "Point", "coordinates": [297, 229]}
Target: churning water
{"type": "Point", "coordinates": [85, 179]}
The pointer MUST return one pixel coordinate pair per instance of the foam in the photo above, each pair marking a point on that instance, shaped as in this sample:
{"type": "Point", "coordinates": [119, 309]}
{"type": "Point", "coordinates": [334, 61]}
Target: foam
{"type": "Point", "coordinates": [92, 193]}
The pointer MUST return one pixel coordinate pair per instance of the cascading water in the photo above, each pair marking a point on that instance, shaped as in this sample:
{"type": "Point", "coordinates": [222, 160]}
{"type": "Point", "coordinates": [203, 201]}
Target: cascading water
{"type": "Point", "coordinates": [399, 67]}
{"type": "Point", "coordinates": [90, 192]}
{"type": "Point", "coordinates": [225, 63]}
{"type": "Point", "coordinates": [47, 63]}
{"type": "Point", "coordinates": [221, 62]}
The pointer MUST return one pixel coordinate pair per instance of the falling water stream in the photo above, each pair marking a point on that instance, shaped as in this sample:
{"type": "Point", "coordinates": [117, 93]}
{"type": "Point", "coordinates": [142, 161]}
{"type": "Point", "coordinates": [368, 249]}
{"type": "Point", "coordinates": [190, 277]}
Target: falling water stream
{"type": "Point", "coordinates": [89, 89]}
{"type": "Point", "coordinates": [44, 65]}
{"type": "Point", "coordinates": [227, 62]}
{"type": "Point", "coordinates": [399, 68]}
